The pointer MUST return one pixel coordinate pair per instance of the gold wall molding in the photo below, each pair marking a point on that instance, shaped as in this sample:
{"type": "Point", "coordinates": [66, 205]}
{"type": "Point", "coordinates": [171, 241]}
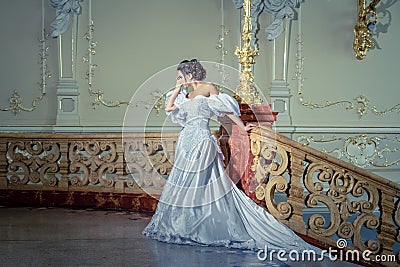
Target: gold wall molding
{"type": "Point", "coordinates": [15, 99]}
{"type": "Point", "coordinates": [361, 104]}
{"type": "Point", "coordinates": [220, 66]}
{"type": "Point", "coordinates": [362, 150]}
{"type": "Point", "coordinates": [98, 95]}
{"type": "Point", "coordinates": [157, 102]}
{"type": "Point", "coordinates": [16, 106]}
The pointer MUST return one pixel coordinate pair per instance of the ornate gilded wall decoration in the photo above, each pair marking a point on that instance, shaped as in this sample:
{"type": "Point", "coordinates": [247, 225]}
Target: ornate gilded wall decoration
{"type": "Point", "coordinates": [156, 103]}
{"type": "Point", "coordinates": [97, 94]}
{"type": "Point", "coordinates": [361, 150]}
{"type": "Point", "coordinates": [370, 22]}
{"type": "Point", "coordinates": [15, 100]}
{"type": "Point", "coordinates": [360, 103]}
{"type": "Point", "coordinates": [367, 18]}
{"type": "Point", "coordinates": [223, 52]}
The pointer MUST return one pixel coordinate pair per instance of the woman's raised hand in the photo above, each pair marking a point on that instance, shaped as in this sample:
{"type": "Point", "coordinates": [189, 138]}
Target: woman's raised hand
{"type": "Point", "coordinates": [179, 81]}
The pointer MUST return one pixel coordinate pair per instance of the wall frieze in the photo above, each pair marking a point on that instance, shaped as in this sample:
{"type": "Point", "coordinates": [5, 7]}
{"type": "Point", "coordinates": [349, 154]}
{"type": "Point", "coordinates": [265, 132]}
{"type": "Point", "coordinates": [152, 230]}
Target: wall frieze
{"type": "Point", "coordinates": [361, 104]}
{"type": "Point", "coordinates": [362, 150]}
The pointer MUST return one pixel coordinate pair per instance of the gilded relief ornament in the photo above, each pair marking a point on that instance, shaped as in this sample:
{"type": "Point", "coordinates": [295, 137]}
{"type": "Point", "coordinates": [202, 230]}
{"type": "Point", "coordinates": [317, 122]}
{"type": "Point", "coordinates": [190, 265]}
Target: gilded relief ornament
{"type": "Point", "coordinates": [156, 103]}
{"type": "Point", "coordinates": [15, 100]}
{"type": "Point", "coordinates": [220, 66]}
{"type": "Point", "coordinates": [361, 150]}
{"type": "Point", "coordinates": [97, 94]}
{"type": "Point", "coordinates": [360, 103]}
{"type": "Point", "coordinates": [367, 19]}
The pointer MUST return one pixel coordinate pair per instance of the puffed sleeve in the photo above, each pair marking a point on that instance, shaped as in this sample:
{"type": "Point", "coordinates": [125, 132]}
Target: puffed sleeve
{"type": "Point", "coordinates": [223, 104]}
{"type": "Point", "coordinates": [178, 115]}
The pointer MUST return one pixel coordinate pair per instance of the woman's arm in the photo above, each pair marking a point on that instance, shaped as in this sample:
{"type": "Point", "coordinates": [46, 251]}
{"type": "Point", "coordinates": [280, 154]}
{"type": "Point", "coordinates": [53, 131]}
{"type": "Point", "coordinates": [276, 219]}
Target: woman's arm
{"type": "Point", "coordinates": [170, 105]}
{"type": "Point", "coordinates": [240, 123]}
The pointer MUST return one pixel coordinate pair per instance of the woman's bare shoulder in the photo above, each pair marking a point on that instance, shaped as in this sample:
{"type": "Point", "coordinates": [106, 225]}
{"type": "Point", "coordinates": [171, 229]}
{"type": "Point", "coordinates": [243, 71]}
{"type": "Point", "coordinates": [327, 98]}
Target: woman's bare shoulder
{"type": "Point", "coordinates": [210, 88]}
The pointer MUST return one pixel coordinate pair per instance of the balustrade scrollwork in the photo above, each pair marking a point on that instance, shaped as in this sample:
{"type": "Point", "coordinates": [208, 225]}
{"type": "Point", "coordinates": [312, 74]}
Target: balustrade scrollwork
{"type": "Point", "coordinates": [95, 161]}
{"type": "Point", "coordinates": [147, 163]}
{"type": "Point", "coordinates": [33, 162]}
{"type": "Point", "coordinates": [269, 173]}
{"type": "Point", "coordinates": [313, 193]}
{"type": "Point", "coordinates": [332, 198]}
{"type": "Point", "coordinates": [103, 163]}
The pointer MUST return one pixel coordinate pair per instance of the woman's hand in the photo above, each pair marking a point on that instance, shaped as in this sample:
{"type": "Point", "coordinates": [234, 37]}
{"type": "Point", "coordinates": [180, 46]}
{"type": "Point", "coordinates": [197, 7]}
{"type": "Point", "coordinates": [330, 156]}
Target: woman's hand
{"type": "Point", "coordinates": [249, 127]}
{"type": "Point", "coordinates": [240, 123]}
{"type": "Point", "coordinates": [179, 82]}
{"type": "Point", "coordinates": [170, 105]}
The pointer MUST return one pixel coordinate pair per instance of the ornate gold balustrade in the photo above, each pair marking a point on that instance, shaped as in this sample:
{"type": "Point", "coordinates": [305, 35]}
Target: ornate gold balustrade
{"type": "Point", "coordinates": [92, 170]}
{"type": "Point", "coordinates": [316, 195]}
{"type": "Point", "coordinates": [324, 198]}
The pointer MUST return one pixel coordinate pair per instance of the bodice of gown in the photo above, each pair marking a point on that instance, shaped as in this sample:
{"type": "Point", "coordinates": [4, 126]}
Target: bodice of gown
{"type": "Point", "coordinates": [197, 112]}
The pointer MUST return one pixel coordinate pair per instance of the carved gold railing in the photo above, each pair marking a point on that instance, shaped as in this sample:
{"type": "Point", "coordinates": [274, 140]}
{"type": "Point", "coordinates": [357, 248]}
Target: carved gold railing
{"type": "Point", "coordinates": [343, 201]}
{"type": "Point", "coordinates": [103, 165]}
{"type": "Point", "coordinates": [316, 195]}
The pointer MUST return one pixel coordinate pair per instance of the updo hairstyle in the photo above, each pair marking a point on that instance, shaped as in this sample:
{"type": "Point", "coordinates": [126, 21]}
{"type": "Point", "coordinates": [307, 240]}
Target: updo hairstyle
{"type": "Point", "coordinates": [192, 67]}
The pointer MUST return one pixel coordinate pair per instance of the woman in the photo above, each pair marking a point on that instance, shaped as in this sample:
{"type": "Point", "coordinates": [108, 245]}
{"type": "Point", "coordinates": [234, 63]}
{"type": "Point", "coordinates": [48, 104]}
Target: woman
{"type": "Point", "coordinates": [200, 205]}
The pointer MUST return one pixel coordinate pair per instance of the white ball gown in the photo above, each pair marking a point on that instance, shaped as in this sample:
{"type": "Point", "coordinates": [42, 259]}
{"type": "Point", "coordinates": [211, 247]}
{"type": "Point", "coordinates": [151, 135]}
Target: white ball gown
{"type": "Point", "coordinates": [200, 205]}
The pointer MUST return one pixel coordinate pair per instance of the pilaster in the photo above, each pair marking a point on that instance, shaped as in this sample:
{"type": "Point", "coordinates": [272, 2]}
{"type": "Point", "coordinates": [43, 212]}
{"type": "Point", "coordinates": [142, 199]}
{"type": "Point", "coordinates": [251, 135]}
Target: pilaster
{"type": "Point", "coordinates": [280, 101]}
{"type": "Point", "coordinates": [67, 86]}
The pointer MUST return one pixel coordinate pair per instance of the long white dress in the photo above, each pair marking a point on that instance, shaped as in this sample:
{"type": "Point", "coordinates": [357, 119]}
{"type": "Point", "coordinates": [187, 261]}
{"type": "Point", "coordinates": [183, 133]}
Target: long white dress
{"type": "Point", "coordinates": [200, 205]}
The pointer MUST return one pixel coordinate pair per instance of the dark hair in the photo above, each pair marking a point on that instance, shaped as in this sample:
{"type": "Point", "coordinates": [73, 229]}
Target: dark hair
{"type": "Point", "coordinates": [192, 67]}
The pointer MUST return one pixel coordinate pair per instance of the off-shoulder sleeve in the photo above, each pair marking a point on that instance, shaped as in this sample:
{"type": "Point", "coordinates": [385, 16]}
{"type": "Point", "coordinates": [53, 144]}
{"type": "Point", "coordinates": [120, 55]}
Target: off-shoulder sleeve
{"type": "Point", "coordinates": [178, 115]}
{"type": "Point", "coordinates": [223, 104]}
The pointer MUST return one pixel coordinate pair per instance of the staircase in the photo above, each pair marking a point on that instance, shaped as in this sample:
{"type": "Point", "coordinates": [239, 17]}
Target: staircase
{"type": "Point", "coordinates": [330, 203]}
